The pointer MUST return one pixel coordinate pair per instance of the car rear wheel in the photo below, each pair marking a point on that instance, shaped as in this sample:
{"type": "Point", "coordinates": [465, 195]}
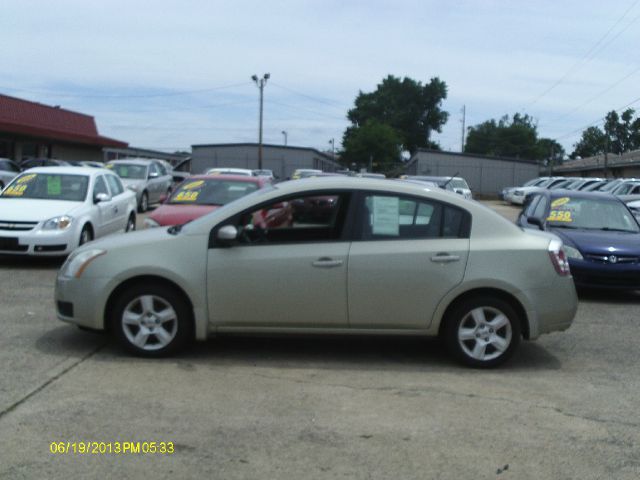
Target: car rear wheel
{"type": "Point", "coordinates": [131, 223]}
{"type": "Point", "coordinates": [144, 203]}
{"type": "Point", "coordinates": [152, 320]}
{"type": "Point", "coordinates": [483, 331]}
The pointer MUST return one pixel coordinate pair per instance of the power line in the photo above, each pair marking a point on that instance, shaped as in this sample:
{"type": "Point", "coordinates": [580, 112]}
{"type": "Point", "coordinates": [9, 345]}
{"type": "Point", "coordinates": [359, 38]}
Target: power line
{"type": "Point", "coordinates": [588, 56]}
{"type": "Point", "coordinates": [146, 95]}
{"type": "Point", "coordinates": [307, 110]}
{"type": "Point", "coordinates": [326, 101]}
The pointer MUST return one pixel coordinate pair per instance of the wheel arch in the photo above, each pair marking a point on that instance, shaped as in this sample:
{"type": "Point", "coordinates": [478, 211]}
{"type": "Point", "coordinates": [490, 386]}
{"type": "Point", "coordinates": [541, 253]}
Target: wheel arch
{"type": "Point", "coordinates": [492, 292]}
{"type": "Point", "coordinates": [144, 279]}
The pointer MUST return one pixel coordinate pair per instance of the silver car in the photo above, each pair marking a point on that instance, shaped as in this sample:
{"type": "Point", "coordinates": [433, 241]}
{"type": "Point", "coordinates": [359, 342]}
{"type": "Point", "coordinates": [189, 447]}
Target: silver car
{"type": "Point", "coordinates": [8, 170]}
{"type": "Point", "coordinates": [354, 256]}
{"type": "Point", "coordinates": [147, 178]}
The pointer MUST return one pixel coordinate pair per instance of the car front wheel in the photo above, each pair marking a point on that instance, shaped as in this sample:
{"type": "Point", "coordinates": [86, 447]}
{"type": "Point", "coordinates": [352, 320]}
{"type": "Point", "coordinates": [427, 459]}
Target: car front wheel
{"type": "Point", "coordinates": [152, 320]}
{"type": "Point", "coordinates": [144, 203]}
{"type": "Point", "coordinates": [483, 331]}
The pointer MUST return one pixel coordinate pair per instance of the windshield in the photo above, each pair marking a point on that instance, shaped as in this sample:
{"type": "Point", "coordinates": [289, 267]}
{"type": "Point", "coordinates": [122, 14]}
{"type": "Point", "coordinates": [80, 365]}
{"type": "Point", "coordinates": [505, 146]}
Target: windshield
{"type": "Point", "coordinates": [211, 192]}
{"type": "Point", "coordinates": [129, 170]}
{"type": "Point", "coordinates": [534, 182]}
{"type": "Point", "coordinates": [48, 186]}
{"type": "Point", "coordinates": [459, 183]}
{"type": "Point", "coordinates": [591, 213]}
{"type": "Point", "coordinates": [607, 187]}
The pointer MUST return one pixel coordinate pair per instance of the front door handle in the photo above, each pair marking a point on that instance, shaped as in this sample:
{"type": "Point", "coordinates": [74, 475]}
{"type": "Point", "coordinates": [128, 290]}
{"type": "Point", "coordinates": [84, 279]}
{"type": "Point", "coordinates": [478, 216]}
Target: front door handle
{"type": "Point", "coordinates": [326, 262]}
{"type": "Point", "coordinates": [445, 258]}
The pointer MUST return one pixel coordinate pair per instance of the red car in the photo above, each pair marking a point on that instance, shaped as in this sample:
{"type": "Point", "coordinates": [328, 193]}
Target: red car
{"type": "Point", "coordinates": [202, 194]}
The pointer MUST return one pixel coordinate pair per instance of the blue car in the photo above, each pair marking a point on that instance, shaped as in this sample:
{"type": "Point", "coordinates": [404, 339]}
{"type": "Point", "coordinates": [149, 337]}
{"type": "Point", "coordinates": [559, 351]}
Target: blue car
{"type": "Point", "coordinates": [600, 234]}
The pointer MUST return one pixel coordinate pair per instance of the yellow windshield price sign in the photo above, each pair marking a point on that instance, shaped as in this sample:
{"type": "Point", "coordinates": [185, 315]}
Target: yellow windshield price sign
{"type": "Point", "coordinates": [193, 185]}
{"type": "Point", "coordinates": [560, 216]}
{"type": "Point", "coordinates": [558, 202]}
{"type": "Point", "coordinates": [27, 178]}
{"type": "Point", "coordinates": [15, 191]}
{"type": "Point", "coordinates": [186, 196]}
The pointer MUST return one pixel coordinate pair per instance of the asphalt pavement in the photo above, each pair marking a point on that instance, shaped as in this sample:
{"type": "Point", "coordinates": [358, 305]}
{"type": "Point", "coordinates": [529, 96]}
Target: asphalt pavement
{"type": "Point", "coordinates": [565, 407]}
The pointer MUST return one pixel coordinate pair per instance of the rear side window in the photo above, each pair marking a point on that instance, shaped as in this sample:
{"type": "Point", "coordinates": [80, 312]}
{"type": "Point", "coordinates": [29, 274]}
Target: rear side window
{"type": "Point", "coordinates": [390, 217]}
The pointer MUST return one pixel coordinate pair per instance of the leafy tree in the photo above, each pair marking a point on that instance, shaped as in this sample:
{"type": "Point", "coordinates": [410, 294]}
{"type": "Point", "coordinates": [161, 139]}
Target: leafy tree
{"type": "Point", "coordinates": [592, 142]}
{"type": "Point", "coordinates": [621, 134]}
{"type": "Point", "coordinates": [515, 136]}
{"type": "Point", "coordinates": [407, 106]}
{"type": "Point", "coordinates": [372, 142]}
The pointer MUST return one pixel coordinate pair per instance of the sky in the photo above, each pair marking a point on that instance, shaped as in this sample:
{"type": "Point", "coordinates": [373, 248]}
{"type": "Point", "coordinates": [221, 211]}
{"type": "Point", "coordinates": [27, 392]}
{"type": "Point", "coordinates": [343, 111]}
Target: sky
{"type": "Point", "coordinates": [170, 74]}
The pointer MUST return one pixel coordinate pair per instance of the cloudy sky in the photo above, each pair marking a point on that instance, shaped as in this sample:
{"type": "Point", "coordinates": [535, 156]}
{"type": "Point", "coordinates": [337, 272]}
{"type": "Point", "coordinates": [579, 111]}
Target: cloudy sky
{"type": "Point", "coordinates": [168, 74]}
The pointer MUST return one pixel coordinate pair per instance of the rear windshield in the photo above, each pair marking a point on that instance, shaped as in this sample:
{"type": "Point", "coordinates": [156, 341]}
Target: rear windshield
{"type": "Point", "coordinates": [48, 186]}
{"type": "Point", "coordinates": [128, 170]}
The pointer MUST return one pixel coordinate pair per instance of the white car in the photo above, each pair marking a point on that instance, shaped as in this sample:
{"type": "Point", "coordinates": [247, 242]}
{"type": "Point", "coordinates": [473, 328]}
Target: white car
{"type": "Point", "coordinates": [53, 210]}
{"type": "Point", "coordinates": [230, 171]}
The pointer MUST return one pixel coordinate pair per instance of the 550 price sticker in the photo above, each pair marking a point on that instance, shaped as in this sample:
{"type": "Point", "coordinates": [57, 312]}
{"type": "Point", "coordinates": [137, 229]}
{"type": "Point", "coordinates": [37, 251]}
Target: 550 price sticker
{"type": "Point", "coordinates": [112, 448]}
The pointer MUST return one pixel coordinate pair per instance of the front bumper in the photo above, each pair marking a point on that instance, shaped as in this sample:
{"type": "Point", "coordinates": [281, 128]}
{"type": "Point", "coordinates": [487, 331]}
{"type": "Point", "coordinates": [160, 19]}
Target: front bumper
{"type": "Point", "coordinates": [39, 242]}
{"type": "Point", "coordinates": [592, 274]}
{"type": "Point", "coordinates": [82, 301]}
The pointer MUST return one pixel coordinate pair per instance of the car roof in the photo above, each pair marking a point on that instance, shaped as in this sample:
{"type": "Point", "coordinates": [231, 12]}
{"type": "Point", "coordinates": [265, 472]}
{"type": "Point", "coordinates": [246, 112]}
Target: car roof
{"type": "Point", "coordinates": [237, 178]}
{"type": "Point", "coordinates": [578, 194]}
{"type": "Point", "coordinates": [133, 161]}
{"type": "Point", "coordinates": [88, 172]}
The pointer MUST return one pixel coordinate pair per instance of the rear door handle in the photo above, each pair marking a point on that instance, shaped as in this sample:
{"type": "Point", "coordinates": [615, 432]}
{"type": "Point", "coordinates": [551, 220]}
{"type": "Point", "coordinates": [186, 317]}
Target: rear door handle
{"type": "Point", "coordinates": [326, 262]}
{"type": "Point", "coordinates": [445, 258]}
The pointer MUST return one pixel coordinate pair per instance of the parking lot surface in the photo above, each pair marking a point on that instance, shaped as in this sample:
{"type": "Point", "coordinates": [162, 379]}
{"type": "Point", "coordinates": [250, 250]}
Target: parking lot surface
{"type": "Point", "coordinates": [566, 406]}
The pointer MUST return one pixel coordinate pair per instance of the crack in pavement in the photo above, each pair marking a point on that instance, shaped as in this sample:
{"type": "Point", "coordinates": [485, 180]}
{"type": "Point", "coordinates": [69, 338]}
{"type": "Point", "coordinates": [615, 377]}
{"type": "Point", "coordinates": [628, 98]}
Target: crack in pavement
{"type": "Point", "coordinates": [425, 390]}
{"type": "Point", "coordinates": [48, 382]}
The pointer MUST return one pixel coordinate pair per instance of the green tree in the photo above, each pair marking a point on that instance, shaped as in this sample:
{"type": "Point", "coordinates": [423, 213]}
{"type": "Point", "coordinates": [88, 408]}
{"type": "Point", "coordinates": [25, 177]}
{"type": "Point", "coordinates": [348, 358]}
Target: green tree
{"type": "Point", "coordinates": [592, 142]}
{"type": "Point", "coordinates": [406, 105]}
{"type": "Point", "coordinates": [373, 142]}
{"type": "Point", "coordinates": [515, 136]}
{"type": "Point", "coordinates": [621, 134]}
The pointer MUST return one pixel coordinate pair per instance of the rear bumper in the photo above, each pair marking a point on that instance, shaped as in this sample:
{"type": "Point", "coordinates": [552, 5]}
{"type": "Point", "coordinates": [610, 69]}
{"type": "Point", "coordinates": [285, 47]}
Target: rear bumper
{"type": "Point", "coordinates": [553, 307]}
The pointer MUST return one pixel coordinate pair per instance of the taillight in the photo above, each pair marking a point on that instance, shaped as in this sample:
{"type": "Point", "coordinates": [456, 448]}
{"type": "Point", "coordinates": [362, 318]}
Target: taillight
{"type": "Point", "coordinates": [558, 258]}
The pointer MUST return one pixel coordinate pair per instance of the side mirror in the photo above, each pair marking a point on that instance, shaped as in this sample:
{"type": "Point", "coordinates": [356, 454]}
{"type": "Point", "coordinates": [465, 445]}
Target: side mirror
{"type": "Point", "coordinates": [101, 197]}
{"type": "Point", "coordinates": [154, 175]}
{"type": "Point", "coordinates": [227, 235]}
{"type": "Point", "coordinates": [536, 221]}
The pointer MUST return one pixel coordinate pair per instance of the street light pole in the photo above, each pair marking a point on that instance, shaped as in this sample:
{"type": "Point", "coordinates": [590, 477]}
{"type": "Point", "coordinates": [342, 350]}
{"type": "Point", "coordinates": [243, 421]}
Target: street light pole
{"type": "Point", "coordinates": [333, 149]}
{"type": "Point", "coordinates": [260, 82]}
{"type": "Point", "coordinates": [284, 132]}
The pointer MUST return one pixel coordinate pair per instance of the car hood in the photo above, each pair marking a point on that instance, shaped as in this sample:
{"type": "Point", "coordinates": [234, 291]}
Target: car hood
{"type": "Point", "coordinates": [601, 242]}
{"type": "Point", "coordinates": [33, 210]}
{"type": "Point", "coordinates": [170, 214]}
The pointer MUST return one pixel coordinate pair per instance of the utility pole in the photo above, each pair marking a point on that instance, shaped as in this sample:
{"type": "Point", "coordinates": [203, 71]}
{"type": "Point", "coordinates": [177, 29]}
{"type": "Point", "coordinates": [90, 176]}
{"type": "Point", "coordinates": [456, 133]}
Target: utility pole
{"type": "Point", "coordinates": [333, 149]}
{"type": "Point", "coordinates": [284, 132]}
{"type": "Point", "coordinates": [606, 155]}
{"type": "Point", "coordinates": [260, 82]}
{"type": "Point", "coordinates": [464, 115]}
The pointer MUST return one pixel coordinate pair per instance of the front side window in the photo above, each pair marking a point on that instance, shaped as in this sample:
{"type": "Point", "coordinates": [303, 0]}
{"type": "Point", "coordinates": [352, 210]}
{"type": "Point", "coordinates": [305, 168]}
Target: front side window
{"type": "Point", "coordinates": [115, 184]}
{"type": "Point", "coordinates": [100, 186]}
{"type": "Point", "coordinates": [391, 217]}
{"type": "Point", "coordinates": [308, 218]}
{"type": "Point", "coordinates": [48, 186]}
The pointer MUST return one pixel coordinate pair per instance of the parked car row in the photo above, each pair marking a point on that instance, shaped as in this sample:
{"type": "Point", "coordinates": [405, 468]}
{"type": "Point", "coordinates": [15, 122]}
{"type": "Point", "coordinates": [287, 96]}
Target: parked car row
{"type": "Point", "coordinates": [628, 189]}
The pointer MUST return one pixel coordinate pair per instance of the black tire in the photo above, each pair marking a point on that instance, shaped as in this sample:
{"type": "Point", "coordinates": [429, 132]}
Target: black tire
{"type": "Point", "coordinates": [86, 235]}
{"type": "Point", "coordinates": [463, 333]}
{"type": "Point", "coordinates": [144, 203]}
{"type": "Point", "coordinates": [153, 345]}
{"type": "Point", "coordinates": [131, 223]}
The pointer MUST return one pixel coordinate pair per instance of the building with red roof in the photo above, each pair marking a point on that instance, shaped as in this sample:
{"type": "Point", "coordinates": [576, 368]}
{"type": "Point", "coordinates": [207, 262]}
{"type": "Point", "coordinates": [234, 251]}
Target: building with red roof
{"type": "Point", "coordinates": [29, 130]}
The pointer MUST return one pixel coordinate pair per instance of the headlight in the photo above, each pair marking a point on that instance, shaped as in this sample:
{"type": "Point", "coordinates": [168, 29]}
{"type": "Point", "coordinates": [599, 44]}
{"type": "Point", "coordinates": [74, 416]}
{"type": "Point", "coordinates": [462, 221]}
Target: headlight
{"type": "Point", "coordinates": [572, 252]}
{"type": "Point", "coordinates": [58, 223]}
{"type": "Point", "coordinates": [149, 223]}
{"type": "Point", "coordinates": [78, 262]}
{"type": "Point", "coordinates": [135, 188]}
{"type": "Point", "coordinates": [518, 193]}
